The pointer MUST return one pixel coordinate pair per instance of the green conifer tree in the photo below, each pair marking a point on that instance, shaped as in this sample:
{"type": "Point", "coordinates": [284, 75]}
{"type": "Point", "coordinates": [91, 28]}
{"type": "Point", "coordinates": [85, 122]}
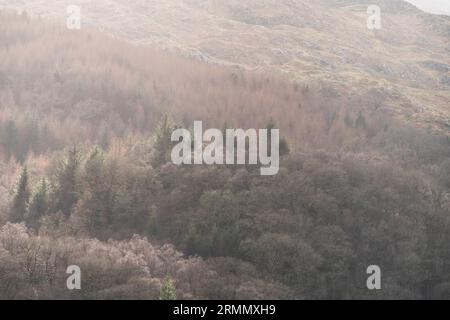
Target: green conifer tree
{"type": "Point", "coordinates": [21, 198]}
{"type": "Point", "coordinates": [66, 182]}
{"type": "Point", "coordinates": [168, 291]}
{"type": "Point", "coordinates": [163, 143]}
{"type": "Point", "coordinates": [38, 204]}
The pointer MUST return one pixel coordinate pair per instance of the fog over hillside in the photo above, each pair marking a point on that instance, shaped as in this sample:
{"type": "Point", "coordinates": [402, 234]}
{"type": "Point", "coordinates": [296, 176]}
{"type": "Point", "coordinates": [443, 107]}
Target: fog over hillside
{"type": "Point", "coordinates": [133, 149]}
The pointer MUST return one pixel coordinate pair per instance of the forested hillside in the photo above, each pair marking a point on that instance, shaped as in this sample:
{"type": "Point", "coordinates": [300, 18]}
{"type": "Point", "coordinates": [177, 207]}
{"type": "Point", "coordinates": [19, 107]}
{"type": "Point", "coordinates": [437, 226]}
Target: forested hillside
{"type": "Point", "coordinates": [86, 180]}
{"type": "Point", "coordinates": [404, 66]}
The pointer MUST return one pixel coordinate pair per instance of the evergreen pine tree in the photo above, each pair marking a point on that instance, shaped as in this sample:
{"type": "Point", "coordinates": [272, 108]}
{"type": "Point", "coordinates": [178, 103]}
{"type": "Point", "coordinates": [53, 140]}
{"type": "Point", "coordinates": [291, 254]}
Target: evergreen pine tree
{"type": "Point", "coordinates": [283, 145]}
{"type": "Point", "coordinates": [21, 198]}
{"type": "Point", "coordinates": [163, 143]}
{"type": "Point", "coordinates": [168, 291]}
{"type": "Point", "coordinates": [10, 140]}
{"type": "Point", "coordinates": [95, 197]}
{"type": "Point", "coordinates": [66, 184]}
{"type": "Point", "coordinates": [38, 204]}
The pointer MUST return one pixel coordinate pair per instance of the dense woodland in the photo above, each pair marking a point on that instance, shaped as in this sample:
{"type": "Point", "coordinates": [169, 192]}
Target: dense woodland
{"type": "Point", "coordinates": [85, 123]}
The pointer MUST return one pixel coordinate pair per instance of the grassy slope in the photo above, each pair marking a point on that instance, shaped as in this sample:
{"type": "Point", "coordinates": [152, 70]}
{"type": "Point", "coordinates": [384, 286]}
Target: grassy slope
{"type": "Point", "coordinates": [326, 43]}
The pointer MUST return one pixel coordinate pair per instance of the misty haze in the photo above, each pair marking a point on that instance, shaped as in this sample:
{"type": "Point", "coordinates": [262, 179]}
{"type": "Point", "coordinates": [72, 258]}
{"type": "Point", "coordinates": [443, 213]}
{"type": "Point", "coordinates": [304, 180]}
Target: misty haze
{"type": "Point", "coordinates": [109, 191]}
